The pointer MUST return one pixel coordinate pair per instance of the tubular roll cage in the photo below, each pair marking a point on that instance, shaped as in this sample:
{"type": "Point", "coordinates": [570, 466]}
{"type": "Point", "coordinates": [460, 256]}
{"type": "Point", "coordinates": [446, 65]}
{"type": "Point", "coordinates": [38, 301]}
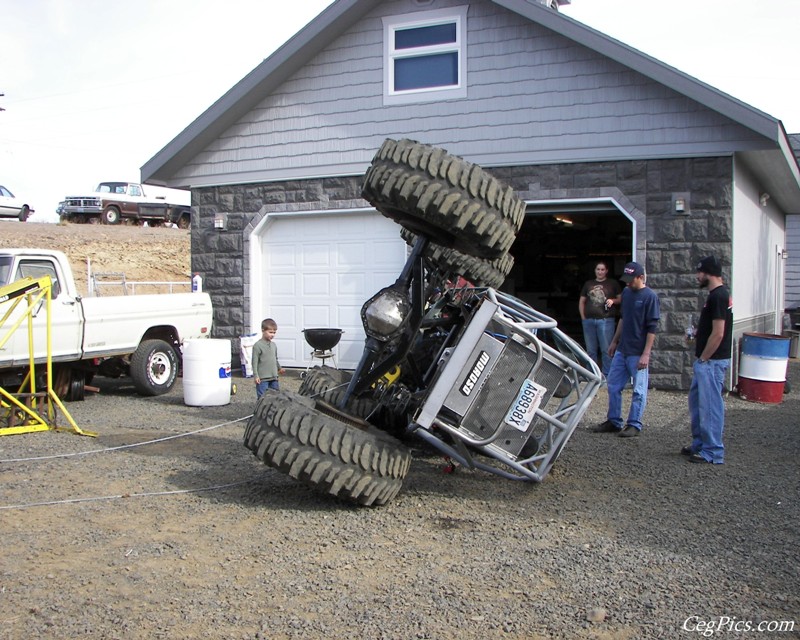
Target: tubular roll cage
{"type": "Point", "coordinates": [581, 373]}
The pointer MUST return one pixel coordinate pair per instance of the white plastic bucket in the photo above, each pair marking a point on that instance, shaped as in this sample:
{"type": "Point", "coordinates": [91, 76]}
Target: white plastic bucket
{"type": "Point", "coordinates": [206, 372]}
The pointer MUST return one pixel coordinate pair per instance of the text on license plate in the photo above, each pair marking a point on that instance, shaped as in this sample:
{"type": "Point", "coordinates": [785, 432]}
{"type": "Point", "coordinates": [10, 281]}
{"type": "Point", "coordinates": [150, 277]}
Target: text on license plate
{"type": "Point", "coordinates": [528, 400]}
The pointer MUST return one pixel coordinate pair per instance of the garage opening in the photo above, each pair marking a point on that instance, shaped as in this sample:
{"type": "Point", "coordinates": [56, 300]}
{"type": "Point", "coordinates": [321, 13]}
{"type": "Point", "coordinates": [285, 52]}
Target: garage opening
{"type": "Point", "coordinates": [556, 251]}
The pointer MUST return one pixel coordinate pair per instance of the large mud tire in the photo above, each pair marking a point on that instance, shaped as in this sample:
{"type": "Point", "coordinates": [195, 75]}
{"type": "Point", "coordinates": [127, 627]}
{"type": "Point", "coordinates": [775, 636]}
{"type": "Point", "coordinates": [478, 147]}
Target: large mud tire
{"type": "Point", "coordinates": [479, 271]}
{"type": "Point", "coordinates": [362, 466]}
{"type": "Point", "coordinates": [444, 198]}
{"type": "Point", "coordinates": [330, 385]}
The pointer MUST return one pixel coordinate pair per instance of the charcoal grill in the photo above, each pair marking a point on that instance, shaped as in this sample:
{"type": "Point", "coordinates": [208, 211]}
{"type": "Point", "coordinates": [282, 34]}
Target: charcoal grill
{"type": "Point", "coordinates": [322, 341]}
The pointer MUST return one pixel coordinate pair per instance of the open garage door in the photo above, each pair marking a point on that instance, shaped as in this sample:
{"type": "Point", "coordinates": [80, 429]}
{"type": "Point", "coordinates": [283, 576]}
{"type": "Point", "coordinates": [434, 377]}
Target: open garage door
{"type": "Point", "coordinates": [318, 270]}
{"type": "Point", "coordinates": [556, 251]}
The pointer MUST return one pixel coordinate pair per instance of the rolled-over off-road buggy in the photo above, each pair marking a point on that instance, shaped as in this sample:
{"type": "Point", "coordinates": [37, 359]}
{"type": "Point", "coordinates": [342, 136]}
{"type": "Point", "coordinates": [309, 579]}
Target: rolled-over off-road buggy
{"type": "Point", "coordinates": [490, 382]}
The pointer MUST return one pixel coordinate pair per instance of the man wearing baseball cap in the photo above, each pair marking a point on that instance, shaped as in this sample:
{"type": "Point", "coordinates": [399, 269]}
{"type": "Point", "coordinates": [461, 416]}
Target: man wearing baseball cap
{"type": "Point", "coordinates": [713, 352]}
{"type": "Point", "coordinates": [630, 350]}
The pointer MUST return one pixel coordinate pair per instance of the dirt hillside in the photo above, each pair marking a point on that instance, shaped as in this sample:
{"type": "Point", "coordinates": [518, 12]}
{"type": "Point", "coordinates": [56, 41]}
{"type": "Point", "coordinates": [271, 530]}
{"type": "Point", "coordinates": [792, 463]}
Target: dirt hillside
{"type": "Point", "coordinates": [143, 254]}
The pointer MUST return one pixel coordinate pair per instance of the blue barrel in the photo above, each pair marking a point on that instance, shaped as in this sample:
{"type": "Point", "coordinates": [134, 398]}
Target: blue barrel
{"type": "Point", "coordinates": [762, 367]}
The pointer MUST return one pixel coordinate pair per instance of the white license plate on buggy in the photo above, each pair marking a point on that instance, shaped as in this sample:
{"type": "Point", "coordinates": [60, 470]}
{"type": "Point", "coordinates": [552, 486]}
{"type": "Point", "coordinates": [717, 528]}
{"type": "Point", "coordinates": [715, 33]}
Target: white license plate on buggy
{"type": "Point", "coordinates": [522, 410]}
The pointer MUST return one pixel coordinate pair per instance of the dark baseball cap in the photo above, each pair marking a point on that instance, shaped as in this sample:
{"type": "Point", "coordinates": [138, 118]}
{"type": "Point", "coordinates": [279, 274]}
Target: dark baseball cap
{"type": "Point", "coordinates": [710, 265]}
{"type": "Point", "coordinates": [632, 270]}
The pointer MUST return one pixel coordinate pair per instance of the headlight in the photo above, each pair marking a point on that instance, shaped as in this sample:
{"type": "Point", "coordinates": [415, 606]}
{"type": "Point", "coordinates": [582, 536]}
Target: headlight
{"type": "Point", "coordinates": [385, 313]}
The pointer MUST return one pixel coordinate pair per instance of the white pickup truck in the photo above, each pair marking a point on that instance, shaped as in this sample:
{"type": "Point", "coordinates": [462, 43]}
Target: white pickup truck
{"type": "Point", "coordinates": [113, 202]}
{"type": "Point", "coordinates": [137, 335]}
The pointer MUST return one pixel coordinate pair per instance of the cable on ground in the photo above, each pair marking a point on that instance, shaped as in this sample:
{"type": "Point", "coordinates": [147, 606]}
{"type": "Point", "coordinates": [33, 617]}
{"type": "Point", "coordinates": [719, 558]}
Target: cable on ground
{"type": "Point", "coordinates": [125, 446]}
{"type": "Point", "coordinates": [117, 497]}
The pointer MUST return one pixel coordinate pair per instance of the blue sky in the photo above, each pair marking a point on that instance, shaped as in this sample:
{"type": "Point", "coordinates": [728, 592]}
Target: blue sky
{"type": "Point", "coordinates": [94, 88]}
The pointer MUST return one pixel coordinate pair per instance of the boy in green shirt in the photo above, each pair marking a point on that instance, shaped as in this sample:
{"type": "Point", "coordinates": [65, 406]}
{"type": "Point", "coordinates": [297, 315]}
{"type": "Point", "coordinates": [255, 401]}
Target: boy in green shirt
{"type": "Point", "coordinates": [266, 367]}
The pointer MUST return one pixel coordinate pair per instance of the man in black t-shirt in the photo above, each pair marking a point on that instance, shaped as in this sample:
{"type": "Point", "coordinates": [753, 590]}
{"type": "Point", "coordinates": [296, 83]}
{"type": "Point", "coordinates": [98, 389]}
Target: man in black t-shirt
{"type": "Point", "coordinates": [713, 351]}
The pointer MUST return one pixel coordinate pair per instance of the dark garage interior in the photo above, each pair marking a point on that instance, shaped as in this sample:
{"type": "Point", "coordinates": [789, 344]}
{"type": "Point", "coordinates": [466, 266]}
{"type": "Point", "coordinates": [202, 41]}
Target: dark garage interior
{"type": "Point", "coordinates": [556, 251]}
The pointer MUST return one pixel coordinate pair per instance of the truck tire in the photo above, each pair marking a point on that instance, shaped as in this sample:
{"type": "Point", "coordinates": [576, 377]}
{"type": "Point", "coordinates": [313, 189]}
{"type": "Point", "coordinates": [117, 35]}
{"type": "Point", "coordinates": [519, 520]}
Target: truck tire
{"type": "Point", "coordinates": [154, 368]}
{"type": "Point", "coordinates": [479, 271]}
{"type": "Point", "coordinates": [24, 213]}
{"type": "Point", "coordinates": [111, 215]}
{"type": "Point", "coordinates": [444, 198]}
{"type": "Point", "coordinates": [185, 221]}
{"type": "Point", "coordinates": [77, 387]}
{"type": "Point", "coordinates": [364, 466]}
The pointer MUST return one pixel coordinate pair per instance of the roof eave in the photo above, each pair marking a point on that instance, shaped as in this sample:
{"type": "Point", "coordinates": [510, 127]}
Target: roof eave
{"type": "Point", "coordinates": [249, 91]}
{"type": "Point", "coordinates": [661, 72]}
{"type": "Point", "coordinates": [274, 70]}
{"type": "Point", "coordinates": [781, 167]}
{"type": "Point", "coordinates": [779, 173]}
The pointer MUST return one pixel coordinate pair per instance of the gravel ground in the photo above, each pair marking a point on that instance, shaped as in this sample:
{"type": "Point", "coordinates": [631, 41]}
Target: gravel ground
{"type": "Point", "coordinates": [192, 537]}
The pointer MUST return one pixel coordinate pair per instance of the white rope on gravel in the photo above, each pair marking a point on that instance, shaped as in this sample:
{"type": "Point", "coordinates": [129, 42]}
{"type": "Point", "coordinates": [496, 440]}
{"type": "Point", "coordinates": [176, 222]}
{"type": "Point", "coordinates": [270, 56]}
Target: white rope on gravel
{"type": "Point", "coordinates": [117, 497]}
{"type": "Point", "coordinates": [125, 446]}
{"type": "Point", "coordinates": [140, 444]}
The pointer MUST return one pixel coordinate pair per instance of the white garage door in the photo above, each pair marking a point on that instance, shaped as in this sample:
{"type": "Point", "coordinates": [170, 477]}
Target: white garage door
{"type": "Point", "coordinates": [319, 270]}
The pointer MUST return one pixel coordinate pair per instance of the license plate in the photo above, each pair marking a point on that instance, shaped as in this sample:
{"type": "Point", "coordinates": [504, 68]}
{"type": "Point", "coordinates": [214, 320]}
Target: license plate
{"type": "Point", "coordinates": [528, 400]}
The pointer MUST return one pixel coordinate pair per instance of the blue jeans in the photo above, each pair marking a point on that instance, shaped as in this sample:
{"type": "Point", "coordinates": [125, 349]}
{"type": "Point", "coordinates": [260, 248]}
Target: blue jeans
{"type": "Point", "coordinates": [597, 335]}
{"type": "Point", "coordinates": [262, 386]}
{"type": "Point", "coordinates": [622, 369]}
{"type": "Point", "coordinates": [707, 409]}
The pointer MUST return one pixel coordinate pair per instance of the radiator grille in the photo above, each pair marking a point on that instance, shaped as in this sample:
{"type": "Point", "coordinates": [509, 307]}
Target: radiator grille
{"type": "Point", "coordinates": [500, 390]}
{"type": "Point", "coordinates": [82, 202]}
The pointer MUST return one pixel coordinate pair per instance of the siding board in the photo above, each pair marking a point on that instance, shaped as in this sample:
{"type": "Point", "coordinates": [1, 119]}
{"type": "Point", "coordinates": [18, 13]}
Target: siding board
{"type": "Point", "coordinates": [792, 273]}
{"type": "Point", "coordinates": [533, 96]}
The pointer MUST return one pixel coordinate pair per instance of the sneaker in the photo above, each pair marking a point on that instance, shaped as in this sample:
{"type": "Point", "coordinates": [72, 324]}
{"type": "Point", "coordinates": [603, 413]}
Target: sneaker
{"type": "Point", "coordinates": [606, 427]}
{"type": "Point", "coordinates": [687, 451]}
{"type": "Point", "coordinates": [629, 432]}
{"type": "Point", "coordinates": [696, 457]}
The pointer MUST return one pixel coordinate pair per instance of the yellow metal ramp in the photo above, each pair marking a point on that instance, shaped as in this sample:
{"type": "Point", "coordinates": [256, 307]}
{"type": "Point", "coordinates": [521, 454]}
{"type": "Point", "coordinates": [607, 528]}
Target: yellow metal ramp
{"type": "Point", "coordinates": [28, 409]}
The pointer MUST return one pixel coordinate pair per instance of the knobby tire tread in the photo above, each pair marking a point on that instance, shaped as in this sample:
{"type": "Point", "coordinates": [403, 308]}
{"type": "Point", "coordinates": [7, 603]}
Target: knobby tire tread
{"type": "Point", "coordinates": [479, 271]}
{"type": "Point", "coordinates": [286, 432]}
{"type": "Point", "coordinates": [329, 384]}
{"type": "Point", "coordinates": [444, 198]}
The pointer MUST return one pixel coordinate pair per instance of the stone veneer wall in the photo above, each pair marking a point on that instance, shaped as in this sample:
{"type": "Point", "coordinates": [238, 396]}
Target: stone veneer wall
{"type": "Point", "coordinates": [670, 244]}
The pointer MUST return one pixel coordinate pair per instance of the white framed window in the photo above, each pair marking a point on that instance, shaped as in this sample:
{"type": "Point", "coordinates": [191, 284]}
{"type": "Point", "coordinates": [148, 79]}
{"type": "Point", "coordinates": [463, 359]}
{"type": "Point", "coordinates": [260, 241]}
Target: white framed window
{"type": "Point", "coordinates": [425, 56]}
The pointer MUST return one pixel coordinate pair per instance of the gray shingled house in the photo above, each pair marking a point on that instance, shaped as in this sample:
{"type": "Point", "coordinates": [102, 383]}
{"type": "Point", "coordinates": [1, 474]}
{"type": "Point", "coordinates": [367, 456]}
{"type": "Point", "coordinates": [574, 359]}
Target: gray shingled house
{"type": "Point", "coordinates": [617, 155]}
{"type": "Point", "coordinates": [792, 296]}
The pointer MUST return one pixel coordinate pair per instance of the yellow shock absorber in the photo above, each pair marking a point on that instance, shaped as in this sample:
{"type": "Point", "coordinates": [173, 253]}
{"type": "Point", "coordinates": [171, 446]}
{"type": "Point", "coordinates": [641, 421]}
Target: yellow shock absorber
{"type": "Point", "coordinates": [388, 378]}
